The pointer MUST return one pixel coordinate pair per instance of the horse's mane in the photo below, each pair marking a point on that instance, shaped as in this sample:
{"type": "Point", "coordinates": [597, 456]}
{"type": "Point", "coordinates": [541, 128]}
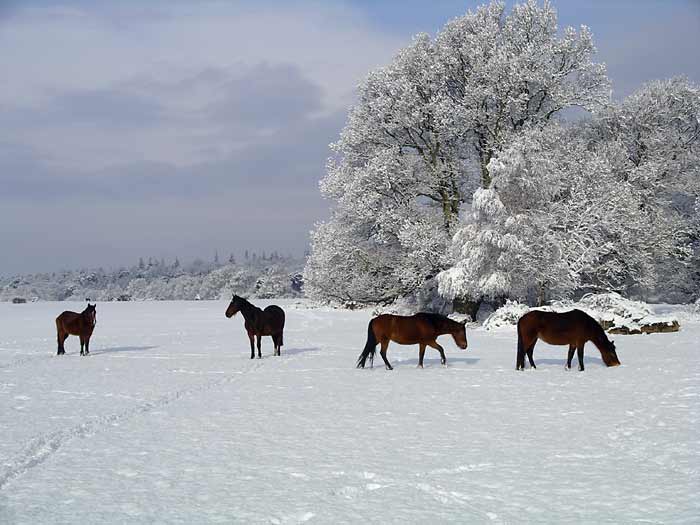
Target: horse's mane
{"type": "Point", "coordinates": [594, 325]}
{"type": "Point", "coordinates": [438, 320]}
{"type": "Point", "coordinates": [246, 302]}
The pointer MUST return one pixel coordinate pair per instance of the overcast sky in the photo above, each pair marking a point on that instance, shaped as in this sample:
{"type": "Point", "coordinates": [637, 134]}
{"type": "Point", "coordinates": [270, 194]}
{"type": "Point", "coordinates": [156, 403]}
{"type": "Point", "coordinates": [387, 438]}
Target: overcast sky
{"type": "Point", "coordinates": [179, 128]}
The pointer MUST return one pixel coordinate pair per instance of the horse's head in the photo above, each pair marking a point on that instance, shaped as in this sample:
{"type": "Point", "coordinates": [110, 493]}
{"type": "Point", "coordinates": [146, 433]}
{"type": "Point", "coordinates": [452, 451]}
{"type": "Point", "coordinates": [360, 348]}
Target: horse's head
{"type": "Point", "coordinates": [610, 355]}
{"type": "Point", "coordinates": [234, 306]}
{"type": "Point", "coordinates": [459, 334]}
{"type": "Point", "coordinates": [91, 313]}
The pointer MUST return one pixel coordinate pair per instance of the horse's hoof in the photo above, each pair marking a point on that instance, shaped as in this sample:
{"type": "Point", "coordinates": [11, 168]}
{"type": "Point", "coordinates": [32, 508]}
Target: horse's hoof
{"type": "Point", "coordinates": [419, 366]}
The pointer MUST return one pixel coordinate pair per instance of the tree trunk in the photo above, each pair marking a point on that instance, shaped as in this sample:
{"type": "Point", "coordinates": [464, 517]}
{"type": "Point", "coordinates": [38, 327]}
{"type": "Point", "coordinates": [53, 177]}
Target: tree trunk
{"type": "Point", "coordinates": [467, 306]}
{"type": "Point", "coordinates": [541, 294]}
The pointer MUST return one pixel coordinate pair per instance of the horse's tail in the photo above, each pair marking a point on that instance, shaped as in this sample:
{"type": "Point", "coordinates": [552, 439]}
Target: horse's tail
{"type": "Point", "coordinates": [280, 341]}
{"type": "Point", "coordinates": [370, 348]}
{"type": "Point", "coordinates": [521, 348]}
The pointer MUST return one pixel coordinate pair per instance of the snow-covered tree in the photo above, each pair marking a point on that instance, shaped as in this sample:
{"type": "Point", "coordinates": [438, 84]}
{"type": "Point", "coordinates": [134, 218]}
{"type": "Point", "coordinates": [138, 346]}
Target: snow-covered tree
{"type": "Point", "coordinates": [421, 136]}
{"type": "Point", "coordinates": [658, 130]}
{"type": "Point", "coordinates": [560, 216]}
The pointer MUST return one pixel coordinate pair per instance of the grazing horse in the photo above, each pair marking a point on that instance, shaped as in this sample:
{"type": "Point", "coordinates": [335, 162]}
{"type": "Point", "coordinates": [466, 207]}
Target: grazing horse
{"type": "Point", "coordinates": [572, 328]}
{"type": "Point", "coordinates": [421, 328]}
{"type": "Point", "coordinates": [258, 323]}
{"type": "Point", "coordinates": [81, 324]}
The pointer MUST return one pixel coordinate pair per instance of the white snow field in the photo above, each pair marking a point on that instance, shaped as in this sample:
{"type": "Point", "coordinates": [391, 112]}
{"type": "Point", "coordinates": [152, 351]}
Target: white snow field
{"type": "Point", "coordinates": [169, 421]}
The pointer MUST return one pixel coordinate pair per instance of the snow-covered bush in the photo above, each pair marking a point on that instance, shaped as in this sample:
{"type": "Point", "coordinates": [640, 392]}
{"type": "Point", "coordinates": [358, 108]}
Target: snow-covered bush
{"type": "Point", "coordinates": [506, 315]}
{"type": "Point", "coordinates": [276, 277]}
{"type": "Point", "coordinates": [614, 304]}
{"type": "Point", "coordinates": [611, 310]}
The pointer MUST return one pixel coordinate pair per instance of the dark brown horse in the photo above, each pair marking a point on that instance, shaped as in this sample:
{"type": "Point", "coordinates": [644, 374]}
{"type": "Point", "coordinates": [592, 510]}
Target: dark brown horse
{"type": "Point", "coordinates": [81, 324]}
{"type": "Point", "coordinates": [421, 329]}
{"type": "Point", "coordinates": [258, 323]}
{"type": "Point", "coordinates": [573, 328]}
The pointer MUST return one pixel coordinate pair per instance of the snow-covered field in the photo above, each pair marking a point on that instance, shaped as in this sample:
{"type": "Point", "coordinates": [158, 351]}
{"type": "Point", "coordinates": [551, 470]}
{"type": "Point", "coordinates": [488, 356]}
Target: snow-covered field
{"type": "Point", "coordinates": [169, 421]}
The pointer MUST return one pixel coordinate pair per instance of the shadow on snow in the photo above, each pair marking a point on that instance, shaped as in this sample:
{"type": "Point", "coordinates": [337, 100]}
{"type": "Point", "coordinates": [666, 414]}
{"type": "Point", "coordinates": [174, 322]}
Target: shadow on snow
{"type": "Point", "coordinates": [123, 349]}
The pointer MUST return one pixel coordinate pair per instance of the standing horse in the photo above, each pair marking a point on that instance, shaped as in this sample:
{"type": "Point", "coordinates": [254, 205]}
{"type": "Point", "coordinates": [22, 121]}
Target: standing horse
{"type": "Point", "coordinates": [572, 328]}
{"type": "Point", "coordinates": [81, 324]}
{"type": "Point", "coordinates": [258, 323]}
{"type": "Point", "coordinates": [421, 328]}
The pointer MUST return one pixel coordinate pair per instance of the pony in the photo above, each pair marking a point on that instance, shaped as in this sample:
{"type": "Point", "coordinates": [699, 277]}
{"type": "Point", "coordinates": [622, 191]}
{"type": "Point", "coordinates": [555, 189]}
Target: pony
{"type": "Point", "coordinates": [259, 323]}
{"type": "Point", "coordinates": [421, 328]}
{"type": "Point", "coordinates": [81, 324]}
{"type": "Point", "coordinates": [572, 328]}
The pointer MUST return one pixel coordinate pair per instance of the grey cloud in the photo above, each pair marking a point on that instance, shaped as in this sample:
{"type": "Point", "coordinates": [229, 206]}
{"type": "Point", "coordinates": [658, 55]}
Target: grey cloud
{"type": "Point", "coordinates": [266, 95]}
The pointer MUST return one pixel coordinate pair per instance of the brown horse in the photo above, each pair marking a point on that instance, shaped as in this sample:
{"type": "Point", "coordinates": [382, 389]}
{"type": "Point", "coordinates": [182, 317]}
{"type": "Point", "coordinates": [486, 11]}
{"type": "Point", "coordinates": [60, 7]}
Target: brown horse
{"type": "Point", "coordinates": [258, 323]}
{"type": "Point", "coordinates": [81, 324]}
{"type": "Point", "coordinates": [421, 328]}
{"type": "Point", "coordinates": [572, 328]}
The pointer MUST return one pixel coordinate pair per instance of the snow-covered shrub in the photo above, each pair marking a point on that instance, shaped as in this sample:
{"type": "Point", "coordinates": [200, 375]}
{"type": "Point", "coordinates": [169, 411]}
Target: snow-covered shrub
{"type": "Point", "coordinates": [424, 299]}
{"type": "Point", "coordinates": [506, 315]}
{"type": "Point", "coordinates": [611, 309]}
{"type": "Point", "coordinates": [278, 277]}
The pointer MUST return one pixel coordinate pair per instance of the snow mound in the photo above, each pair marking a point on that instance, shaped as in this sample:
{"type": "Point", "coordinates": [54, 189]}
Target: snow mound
{"type": "Point", "coordinates": [625, 316]}
{"type": "Point", "coordinates": [615, 314]}
{"type": "Point", "coordinates": [506, 315]}
{"type": "Point", "coordinates": [614, 304]}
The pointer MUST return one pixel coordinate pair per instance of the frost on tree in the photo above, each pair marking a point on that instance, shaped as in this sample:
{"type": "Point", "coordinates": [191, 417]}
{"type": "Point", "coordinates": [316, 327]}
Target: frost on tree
{"type": "Point", "coordinates": [547, 223]}
{"type": "Point", "coordinates": [658, 130]}
{"type": "Point", "coordinates": [422, 135]}
{"type": "Point", "coordinates": [606, 204]}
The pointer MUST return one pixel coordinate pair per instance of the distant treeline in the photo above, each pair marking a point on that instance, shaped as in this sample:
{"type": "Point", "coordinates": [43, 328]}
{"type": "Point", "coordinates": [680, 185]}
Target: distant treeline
{"type": "Point", "coordinates": [262, 276]}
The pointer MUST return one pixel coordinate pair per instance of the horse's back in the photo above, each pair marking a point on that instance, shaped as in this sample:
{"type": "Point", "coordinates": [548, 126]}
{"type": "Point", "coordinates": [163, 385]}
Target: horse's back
{"type": "Point", "coordinates": [67, 322]}
{"type": "Point", "coordinates": [275, 315]}
{"type": "Point", "coordinates": [557, 328]}
{"type": "Point", "coordinates": [404, 329]}
{"type": "Point", "coordinates": [67, 317]}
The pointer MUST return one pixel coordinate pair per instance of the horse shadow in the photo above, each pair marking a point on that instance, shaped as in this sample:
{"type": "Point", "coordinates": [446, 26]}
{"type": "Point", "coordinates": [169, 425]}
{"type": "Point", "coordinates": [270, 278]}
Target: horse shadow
{"type": "Point", "coordinates": [295, 351]}
{"type": "Point", "coordinates": [574, 362]}
{"type": "Point", "coordinates": [118, 349]}
{"type": "Point", "coordinates": [426, 361]}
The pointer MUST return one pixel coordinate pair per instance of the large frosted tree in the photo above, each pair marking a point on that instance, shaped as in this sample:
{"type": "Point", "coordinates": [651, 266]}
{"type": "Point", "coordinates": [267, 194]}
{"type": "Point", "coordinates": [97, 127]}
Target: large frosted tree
{"type": "Point", "coordinates": [658, 131]}
{"type": "Point", "coordinates": [559, 216]}
{"type": "Point", "coordinates": [421, 137]}
{"type": "Point", "coordinates": [606, 204]}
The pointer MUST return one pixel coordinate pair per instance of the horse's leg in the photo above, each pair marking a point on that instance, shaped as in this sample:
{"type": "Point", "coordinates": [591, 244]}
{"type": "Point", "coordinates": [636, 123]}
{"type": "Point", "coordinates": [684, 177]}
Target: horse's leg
{"type": "Point", "coordinates": [440, 349]}
{"type": "Point", "coordinates": [61, 338]}
{"type": "Point", "coordinates": [579, 351]}
{"type": "Point", "coordinates": [82, 345]}
{"type": "Point", "coordinates": [259, 337]}
{"type": "Point", "coordinates": [87, 345]}
{"type": "Point", "coordinates": [572, 349]}
{"type": "Point", "coordinates": [522, 346]}
{"type": "Point", "coordinates": [252, 345]}
{"type": "Point", "coordinates": [385, 345]}
{"type": "Point", "coordinates": [421, 353]}
{"type": "Point", "coordinates": [529, 357]}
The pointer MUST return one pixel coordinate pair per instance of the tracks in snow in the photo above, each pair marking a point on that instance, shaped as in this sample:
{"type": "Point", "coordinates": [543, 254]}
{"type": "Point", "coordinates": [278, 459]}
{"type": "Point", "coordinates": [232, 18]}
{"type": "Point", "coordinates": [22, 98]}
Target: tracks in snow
{"type": "Point", "coordinates": [46, 445]}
